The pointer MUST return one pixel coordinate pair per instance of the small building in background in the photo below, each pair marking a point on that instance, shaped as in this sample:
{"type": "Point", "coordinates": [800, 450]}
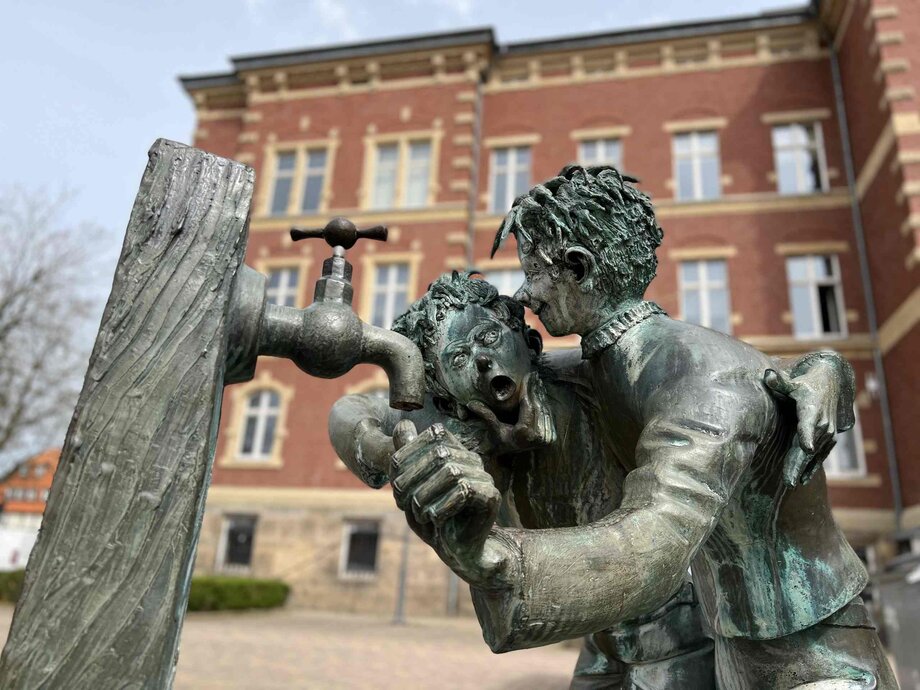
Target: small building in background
{"type": "Point", "coordinates": [23, 494]}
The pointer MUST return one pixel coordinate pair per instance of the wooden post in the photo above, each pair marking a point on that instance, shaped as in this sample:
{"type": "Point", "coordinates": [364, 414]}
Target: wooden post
{"type": "Point", "coordinates": [107, 584]}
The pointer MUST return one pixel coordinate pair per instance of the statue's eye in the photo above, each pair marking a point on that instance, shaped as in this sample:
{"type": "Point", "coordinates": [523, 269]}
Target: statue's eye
{"type": "Point", "coordinates": [459, 359]}
{"type": "Point", "coordinates": [490, 337]}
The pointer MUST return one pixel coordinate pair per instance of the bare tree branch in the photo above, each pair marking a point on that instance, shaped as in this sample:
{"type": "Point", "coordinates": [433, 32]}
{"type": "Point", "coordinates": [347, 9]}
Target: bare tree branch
{"type": "Point", "coordinates": [45, 311]}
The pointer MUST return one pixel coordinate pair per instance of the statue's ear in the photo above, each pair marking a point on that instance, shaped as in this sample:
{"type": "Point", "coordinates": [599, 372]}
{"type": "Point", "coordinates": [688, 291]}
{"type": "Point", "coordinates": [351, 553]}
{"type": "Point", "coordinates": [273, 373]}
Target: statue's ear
{"type": "Point", "coordinates": [582, 263]}
{"type": "Point", "coordinates": [534, 341]}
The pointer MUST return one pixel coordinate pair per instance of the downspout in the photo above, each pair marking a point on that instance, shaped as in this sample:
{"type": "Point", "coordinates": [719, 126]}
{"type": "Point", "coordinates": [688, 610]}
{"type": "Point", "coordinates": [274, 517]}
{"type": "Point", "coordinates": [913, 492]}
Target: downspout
{"type": "Point", "coordinates": [474, 173]}
{"type": "Point", "coordinates": [866, 276]}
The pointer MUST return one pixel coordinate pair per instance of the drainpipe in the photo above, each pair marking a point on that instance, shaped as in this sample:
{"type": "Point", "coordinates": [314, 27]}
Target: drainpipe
{"type": "Point", "coordinates": [866, 276]}
{"type": "Point", "coordinates": [472, 200]}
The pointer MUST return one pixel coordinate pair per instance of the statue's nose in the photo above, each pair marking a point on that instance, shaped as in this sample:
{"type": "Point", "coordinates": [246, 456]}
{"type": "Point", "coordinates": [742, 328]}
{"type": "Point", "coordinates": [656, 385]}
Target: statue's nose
{"type": "Point", "coordinates": [483, 363]}
{"type": "Point", "coordinates": [522, 295]}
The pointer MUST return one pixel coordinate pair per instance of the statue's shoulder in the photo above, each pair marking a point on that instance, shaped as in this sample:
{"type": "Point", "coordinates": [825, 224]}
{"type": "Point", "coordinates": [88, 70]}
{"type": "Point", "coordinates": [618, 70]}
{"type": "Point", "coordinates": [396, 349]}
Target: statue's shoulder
{"type": "Point", "coordinates": [665, 349]}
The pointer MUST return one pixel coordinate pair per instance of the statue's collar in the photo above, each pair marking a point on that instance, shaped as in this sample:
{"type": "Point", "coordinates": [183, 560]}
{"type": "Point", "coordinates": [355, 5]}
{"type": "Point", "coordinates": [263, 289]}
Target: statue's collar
{"type": "Point", "coordinates": [601, 338]}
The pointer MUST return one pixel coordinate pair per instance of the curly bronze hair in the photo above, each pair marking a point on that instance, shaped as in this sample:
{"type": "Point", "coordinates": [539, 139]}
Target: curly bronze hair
{"type": "Point", "coordinates": [453, 292]}
{"type": "Point", "coordinates": [596, 208]}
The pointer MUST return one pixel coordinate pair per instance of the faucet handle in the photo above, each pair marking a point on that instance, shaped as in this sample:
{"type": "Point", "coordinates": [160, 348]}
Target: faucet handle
{"type": "Point", "coordinates": [340, 232]}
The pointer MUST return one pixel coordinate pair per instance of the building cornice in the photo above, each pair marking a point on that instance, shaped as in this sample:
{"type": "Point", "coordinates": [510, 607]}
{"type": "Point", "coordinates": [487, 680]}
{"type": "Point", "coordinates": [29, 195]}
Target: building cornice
{"type": "Point", "coordinates": [665, 32]}
{"type": "Point", "coordinates": [351, 51]}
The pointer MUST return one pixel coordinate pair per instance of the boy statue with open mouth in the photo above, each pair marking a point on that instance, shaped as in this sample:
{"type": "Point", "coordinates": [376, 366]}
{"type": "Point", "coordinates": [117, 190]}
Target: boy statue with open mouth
{"type": "Point", "coordinates": [660, 447]}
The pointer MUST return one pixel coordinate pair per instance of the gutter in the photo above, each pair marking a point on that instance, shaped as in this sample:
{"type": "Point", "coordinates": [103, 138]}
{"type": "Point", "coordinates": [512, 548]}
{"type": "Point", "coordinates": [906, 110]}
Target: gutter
{"type": "Point", "coordinates": [866, 279]}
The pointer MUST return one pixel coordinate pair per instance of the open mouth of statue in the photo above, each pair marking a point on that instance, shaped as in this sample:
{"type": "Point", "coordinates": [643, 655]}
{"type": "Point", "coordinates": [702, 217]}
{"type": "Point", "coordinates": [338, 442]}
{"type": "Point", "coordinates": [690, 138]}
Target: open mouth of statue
{"type": "Point", "coordinates": [503, 388]}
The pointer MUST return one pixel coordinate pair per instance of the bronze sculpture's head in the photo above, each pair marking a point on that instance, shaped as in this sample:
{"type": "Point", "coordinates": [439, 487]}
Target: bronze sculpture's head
{"type": "Point", "coordinates": [587, 241]}
{"type": "Point", "coordinates": [474, 342]}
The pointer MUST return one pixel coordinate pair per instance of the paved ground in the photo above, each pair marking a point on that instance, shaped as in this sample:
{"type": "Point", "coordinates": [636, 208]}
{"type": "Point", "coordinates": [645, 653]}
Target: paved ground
{"type": "Point", "coordinates": [304, 649]}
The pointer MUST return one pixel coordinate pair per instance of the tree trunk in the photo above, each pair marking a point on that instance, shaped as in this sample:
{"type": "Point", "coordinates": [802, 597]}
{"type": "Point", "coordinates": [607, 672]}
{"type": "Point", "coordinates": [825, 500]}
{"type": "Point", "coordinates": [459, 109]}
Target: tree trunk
{"type": "Point", "coordinates": [107, 584]}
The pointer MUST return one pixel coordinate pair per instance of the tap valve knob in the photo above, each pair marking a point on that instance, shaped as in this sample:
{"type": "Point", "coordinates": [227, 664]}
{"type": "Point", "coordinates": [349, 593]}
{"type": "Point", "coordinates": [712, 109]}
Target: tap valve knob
{"type": "Point", "coordinates": [340, 232]}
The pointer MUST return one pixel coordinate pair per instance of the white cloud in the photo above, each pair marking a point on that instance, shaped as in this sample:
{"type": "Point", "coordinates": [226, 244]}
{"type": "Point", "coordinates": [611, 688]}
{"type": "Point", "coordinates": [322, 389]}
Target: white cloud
{"type": "Point", "coordinates": [336, 17]}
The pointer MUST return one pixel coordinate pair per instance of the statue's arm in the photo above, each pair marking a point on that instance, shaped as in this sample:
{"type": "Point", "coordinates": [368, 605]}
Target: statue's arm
{"type": "Point", "coordinates": [562, 583]}
{"type": "Point", "coordinates": [823, 387]}
{"type": "Point", "coordinates": [361, 429]}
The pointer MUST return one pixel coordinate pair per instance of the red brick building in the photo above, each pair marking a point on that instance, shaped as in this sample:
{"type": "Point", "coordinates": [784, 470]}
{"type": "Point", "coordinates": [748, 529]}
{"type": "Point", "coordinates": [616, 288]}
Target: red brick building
{"type": "Point", "coordinates": [23, 494]}
{"type": "Point", "coordinates": [783, 154]}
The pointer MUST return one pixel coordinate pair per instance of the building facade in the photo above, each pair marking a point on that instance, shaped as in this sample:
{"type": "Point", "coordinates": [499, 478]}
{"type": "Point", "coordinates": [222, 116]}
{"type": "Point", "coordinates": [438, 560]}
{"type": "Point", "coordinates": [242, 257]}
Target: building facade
{"type": "Point", "coordinates": [23, 494]}
{"type": "Point", "coordinates": [782, 152]}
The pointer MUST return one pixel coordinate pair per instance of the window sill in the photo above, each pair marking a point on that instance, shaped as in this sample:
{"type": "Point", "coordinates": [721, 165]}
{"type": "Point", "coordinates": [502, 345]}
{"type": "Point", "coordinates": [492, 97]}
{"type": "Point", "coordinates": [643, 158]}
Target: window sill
{"type": "Point", "coordinates": [820, 337]}
{"type": "Point", "coordinates": [855, 481]}
{"type": "Point", "coordinates": [358, 577]}
{"type": "Point", "coordinates": [247, 464]}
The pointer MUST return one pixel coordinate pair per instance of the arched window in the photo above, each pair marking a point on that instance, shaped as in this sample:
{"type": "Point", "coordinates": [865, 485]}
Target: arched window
{"type": "Point", "coordinates": [260, 424]}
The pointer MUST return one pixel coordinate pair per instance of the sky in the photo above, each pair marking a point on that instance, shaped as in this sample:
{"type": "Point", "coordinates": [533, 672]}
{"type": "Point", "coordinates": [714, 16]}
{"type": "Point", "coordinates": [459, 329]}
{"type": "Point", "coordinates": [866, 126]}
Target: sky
{"type": "Point", "coordinates": [91, 84]}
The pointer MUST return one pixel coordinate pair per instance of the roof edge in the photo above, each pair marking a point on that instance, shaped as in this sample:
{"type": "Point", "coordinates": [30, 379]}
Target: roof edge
{"type": "Point", "coordinates": [641, 34]}
{"type": "Point", "coordinates": [345, 51]}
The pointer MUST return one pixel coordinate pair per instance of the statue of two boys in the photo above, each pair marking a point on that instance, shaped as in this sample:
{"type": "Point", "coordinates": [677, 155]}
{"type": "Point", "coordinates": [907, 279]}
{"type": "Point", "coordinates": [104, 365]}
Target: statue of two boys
{"type": "Point", "coordinates": [659, 492]}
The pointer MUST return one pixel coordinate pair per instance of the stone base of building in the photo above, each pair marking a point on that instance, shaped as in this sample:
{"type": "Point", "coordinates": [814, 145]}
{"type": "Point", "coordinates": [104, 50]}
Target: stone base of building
{"type": "Point", "coordinates": [338, 549]}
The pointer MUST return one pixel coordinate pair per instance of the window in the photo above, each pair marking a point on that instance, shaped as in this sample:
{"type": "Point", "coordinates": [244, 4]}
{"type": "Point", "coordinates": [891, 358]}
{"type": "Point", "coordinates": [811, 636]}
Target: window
{"type": "Point", "coordinates": [282, 286]}
{"type": "Point", "coordinates": [260, 421]}
{"type": "Point", "coordinates": [816, 296]}
{"type": "Point", "coordinates": [286, 162]}
{"type": "Point", "coordinates": [30, 494]}
{"type": "Point", "coordinates": [40, 470]}
{"type": "Point", "coordinates": [704, 294]}
{"type": "Point", "coordinates": [600, 152]}
{"type": "Point", "coordinates": [359, 548]}
{"type": "Point", "coordinates": [236, 547]}
{"type": "Point", "coordinates": [418, 173]}
{"type": "Point", "coordinates": [510, 176]}
{"type": "Point", "coordinates": [798, 150]}
{"type": "Point", "coordinates": [390, 295]}
{"type": "Point", "coordinates": [313, 180]}
{"type": "Point", "coordinates": [697, 170]}
{"type": "Point", "coordinates": [299, 182]}
{"type": "Point", "coordinates": [847, 458]}
{"type": "Point", "coordinates": [402, 175]}
{"type": "Point", "coordinates": [385, 172]}
{"type": "Point", "coordinates": [506, 281]}
{"type": "Point", "coordinates": [23, 470]}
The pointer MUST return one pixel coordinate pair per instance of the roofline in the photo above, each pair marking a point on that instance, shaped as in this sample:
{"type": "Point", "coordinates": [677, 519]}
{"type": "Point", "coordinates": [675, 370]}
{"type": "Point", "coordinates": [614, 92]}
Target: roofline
{"type": "Point", "coordinates": [209, 81]}
{"type": "Point", "coordinates": [345, 51]}
{"type": "Point", "coordinates": [642, 34]}
{"type": "Point", "coordinates": [432, 41]}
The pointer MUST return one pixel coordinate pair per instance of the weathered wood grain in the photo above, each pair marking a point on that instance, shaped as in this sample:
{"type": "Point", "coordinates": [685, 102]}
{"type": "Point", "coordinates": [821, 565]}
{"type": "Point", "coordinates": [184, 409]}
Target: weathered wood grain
{"type": "Point", "coordinates": [105, 589]}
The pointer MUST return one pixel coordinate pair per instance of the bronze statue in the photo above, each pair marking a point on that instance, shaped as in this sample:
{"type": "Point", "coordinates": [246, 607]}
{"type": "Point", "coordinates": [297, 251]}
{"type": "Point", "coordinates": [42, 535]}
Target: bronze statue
{"type": "Point", "coordinates": [665, 445]}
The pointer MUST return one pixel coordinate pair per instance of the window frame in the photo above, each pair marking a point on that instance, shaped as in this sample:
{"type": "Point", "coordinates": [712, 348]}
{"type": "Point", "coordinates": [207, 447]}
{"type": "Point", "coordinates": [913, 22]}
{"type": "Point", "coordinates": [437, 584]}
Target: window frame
{"type": "Point", "coordinates": [598, 141]}
{"type": "Point", "coordinates": [351, 525]}
{"type": "Point", "coordinates": [262, 411]}
{"type": "Point", "coordinates": [234, 430]}
{"type": "Point", "coordinates": [814, 283]}
{"type": "Point", "coordinates": [830, 465]}
{"type": "Point", "coordinates": [820, 153]}
{"type": "Point", "coordinates": [403, 142]}
{"type": "Point", "coordinates": [511, 171]}
{"type": "Point", "coordinates": [370, 262]}
{"type": "Point", "coordinates": [300, 174]}
{"type": "Point", "coordinates": [286, 290]}
{"type": "Point", "coordinates": [220, 559]}
{"type": "Point", "coordinates": [489, 275]}
{"type": "Point", "coordinates": [704, 286]}
{"type": "Point", "coordinates": [696, 155]}
{"type": "Point", "coordinates": [390, 290]}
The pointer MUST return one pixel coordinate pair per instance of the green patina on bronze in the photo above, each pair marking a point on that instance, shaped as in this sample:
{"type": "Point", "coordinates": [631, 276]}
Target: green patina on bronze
{"type": "Point", "coordinates": [672, 446]}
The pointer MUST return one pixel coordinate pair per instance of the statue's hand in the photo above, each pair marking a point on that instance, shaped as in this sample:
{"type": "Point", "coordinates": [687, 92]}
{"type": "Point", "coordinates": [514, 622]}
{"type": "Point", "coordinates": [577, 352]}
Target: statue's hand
{"type": "Point", "coordinates": [535, 425]}
{"type": "Point", "coordinates": [450, 501]}
{"type": "Point", "coordinates": [824, 406]}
